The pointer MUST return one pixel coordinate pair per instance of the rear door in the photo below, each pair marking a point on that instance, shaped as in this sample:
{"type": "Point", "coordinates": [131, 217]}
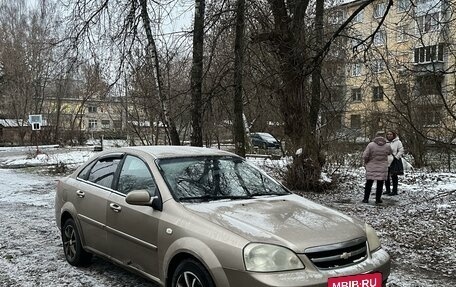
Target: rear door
{"type": "Point", "coordinates": [90, 199]}
{"type": "Point", "coordinates": [132, 230]}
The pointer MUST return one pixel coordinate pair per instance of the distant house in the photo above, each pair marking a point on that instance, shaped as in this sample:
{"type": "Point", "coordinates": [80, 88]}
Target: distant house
{"type": "Point", "coordinates": [15, 131]}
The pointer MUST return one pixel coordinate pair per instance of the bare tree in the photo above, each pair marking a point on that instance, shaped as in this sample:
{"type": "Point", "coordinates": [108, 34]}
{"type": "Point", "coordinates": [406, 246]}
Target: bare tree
{"type": "Point", "coordinates": [26, 57]}
{"type": "Point", "coordinates": [197, 73]}
{"type": "Point", "coordinates": [239, 50]}
{"type": "Point", "coordinates": [126, 25]}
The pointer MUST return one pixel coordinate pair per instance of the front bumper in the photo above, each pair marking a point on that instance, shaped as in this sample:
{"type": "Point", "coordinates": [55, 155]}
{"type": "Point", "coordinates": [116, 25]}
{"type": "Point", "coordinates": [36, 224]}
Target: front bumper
{"type": "Point", "coordinates": [379, 261]}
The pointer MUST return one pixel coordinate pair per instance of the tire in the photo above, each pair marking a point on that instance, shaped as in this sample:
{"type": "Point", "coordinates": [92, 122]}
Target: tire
{"type": "Point", "coordinates": [191, 273]}
{"type": "Point", "coordinates": [72, 246]}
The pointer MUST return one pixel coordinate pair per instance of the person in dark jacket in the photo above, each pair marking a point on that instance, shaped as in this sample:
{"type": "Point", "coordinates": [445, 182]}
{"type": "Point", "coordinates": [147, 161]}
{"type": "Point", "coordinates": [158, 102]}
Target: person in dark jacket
{"type": "Point", "coordinates": [375, 158]}
{"type": "Point", "coordinates": [397, 152]}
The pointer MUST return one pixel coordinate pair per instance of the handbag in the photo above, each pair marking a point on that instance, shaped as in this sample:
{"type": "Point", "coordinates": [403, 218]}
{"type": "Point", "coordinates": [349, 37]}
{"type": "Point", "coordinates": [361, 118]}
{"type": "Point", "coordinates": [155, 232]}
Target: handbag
{"type": "Point", "coordinates": [396, 167]}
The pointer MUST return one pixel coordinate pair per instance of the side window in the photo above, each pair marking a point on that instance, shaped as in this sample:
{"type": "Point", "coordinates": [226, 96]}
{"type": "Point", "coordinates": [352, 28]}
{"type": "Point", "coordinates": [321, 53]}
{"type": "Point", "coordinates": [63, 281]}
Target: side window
{"type": "Point", "coordinates": [134, 176]}
{"type": "Point", "coordinates": [103, 171]}
{"type": "Point", "coordinates": [84, 174]}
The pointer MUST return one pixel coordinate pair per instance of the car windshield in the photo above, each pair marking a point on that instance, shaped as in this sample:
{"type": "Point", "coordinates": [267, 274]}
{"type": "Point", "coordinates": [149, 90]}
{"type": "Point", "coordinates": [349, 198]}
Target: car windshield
{"type": "Point", "coordinates": [215, 178]}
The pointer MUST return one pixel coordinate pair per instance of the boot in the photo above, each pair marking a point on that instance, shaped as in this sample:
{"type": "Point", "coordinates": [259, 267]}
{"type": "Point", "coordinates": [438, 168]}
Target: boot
{"type": "Point", "coordinates": [388, 187]}
{"type": "Point", "coordinates": [378, 192]}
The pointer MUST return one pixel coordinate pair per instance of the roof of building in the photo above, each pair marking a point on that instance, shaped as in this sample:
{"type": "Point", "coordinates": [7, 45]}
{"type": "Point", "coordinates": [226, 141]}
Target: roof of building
{"type": "Point", "coordinates": [14, 123]}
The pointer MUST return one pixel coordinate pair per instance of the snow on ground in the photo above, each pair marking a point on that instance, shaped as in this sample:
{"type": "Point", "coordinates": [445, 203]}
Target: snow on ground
{"type": "Point", "coordinates": [416, 227]}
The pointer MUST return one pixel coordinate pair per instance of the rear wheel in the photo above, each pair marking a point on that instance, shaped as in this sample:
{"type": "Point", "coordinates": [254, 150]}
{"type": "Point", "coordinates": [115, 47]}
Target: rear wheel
{"type": "Point", "coordinates": [190, 273]}
{"type": "Point", "coordinates": [72, 246]}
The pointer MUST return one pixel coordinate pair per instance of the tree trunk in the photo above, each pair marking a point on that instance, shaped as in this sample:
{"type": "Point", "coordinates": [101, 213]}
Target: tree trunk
{"type": "Point", "coordinates": [196, 137]}
{"type": "Point", "coordinates": [299, 103]}
{"type": "Point", "coordinates": [238, 123]}
{"type": "Point", "coordinates": [152, 61]}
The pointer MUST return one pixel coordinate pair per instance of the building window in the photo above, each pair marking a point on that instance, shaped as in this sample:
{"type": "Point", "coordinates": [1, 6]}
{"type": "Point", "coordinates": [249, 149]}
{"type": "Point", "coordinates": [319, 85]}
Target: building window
{"type": "Point", "coordinates": [402, 33]}
{"type": "Point", "coordinates": [378, 66]}
{"type": "Point", "coordinates": [356, 95]}
{"type": "Point", "coordinates": [117, 124]}
{"type": "Point", "coordinates": [379, 38]}
{"type": "Point", "coordinates": [355, 121]}
{"type": "Point", "coordinates": [427, 23]}
{"type": "Point", "coordinates": [356, 40]}
{"type": "Point", "coordinates": [333, 120]}
{"type": "Point", "coordinates": [92, 124]}
{"type": "Point", "coordinates": [337, 17]}
{"type": "Point", "coordinates": [401, 91]}
{"type": "Point", "coordinates": [376, 122]}
{"type": "Point", "coordinates": [356, 69]}
{"type": "Point", "coordinates": [430, 85]}
{"type": "Point", "coordinates": [429, 54]}
{"type": "Point", "coordinates": [105, 124]}
{"type": "Point", "coordinates": [403, 5]}
{"type": "Point", "coordinates": [379, 10]}
{"type": "Point", "coordinates": [359, 17]}
{"type": "Point", "coordinates": [377, 93]}
{"type": "Point", "coordinates": [430, 115]}
{"type": "Point", "coordinates": [92, 109]}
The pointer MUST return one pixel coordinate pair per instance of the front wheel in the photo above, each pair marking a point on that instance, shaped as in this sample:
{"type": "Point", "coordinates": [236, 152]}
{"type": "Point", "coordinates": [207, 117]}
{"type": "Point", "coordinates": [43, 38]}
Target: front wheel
{"type": "Point", "coordinates": [190, 273]}
{"type": "Point", "coordinates": [72, 246]}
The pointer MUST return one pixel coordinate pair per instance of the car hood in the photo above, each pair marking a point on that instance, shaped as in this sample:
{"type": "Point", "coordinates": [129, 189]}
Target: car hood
{"type": "Point", "coordinates": [290, 220]}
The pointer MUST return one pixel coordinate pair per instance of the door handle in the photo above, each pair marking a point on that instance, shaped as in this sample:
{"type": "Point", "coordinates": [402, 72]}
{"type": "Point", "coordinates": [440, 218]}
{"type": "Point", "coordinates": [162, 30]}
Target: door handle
{"type": "Point", "coordinates": [115, 207]}
{"type": "Point", "coordinates": [80, 193]}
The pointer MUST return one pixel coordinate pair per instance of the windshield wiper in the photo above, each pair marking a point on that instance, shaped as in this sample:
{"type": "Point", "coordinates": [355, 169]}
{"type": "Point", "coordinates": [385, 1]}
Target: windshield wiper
{"type": "Point", "coordinates": [267, 193]}
{"type": "Point", "coordinates": [209, 197]}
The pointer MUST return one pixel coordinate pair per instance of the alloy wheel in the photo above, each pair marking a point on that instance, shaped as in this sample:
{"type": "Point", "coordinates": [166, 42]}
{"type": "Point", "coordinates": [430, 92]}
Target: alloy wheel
{"type": "Point", "coordinates": [188, 279]}
{"type": "Point", "coordinates": [69, 242]}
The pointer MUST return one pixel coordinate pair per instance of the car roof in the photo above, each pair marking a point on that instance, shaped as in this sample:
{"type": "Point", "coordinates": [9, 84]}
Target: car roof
{"type": "Point", "coordinates": [264, 134]}
{"type": "Point", "coordinates": [163, 151]}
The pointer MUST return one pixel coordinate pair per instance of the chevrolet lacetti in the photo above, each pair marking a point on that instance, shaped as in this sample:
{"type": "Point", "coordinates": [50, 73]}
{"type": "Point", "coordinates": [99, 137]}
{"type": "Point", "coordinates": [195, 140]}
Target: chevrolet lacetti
{"type": "Point", "coordinates": [188, 216]}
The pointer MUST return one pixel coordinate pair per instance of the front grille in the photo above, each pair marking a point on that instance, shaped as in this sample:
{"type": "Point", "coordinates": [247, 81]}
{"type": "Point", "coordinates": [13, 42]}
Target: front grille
{"type": "Point", "coordinates": [338, 255]}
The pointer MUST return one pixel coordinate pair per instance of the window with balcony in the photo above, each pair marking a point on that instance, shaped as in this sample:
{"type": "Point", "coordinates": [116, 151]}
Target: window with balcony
{"type": "Point", "coordinates": [356, 95]}
{"type": "Point", "coordinates": [428, 54]}
{"type": "Point", "coordinates": [377, 93]}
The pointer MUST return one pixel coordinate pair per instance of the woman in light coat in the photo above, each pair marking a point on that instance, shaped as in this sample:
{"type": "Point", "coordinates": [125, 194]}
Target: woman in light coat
{"type": "Point", "coordinates": [397, 152]}
{"type": "Point", "coordinates": [375, 158]}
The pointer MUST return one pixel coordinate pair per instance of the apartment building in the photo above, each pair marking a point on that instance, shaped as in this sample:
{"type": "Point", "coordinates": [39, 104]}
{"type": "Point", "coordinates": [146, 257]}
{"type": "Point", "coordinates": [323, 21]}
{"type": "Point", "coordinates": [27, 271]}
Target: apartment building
{"type": "Point", "coordinates": [399, 69]}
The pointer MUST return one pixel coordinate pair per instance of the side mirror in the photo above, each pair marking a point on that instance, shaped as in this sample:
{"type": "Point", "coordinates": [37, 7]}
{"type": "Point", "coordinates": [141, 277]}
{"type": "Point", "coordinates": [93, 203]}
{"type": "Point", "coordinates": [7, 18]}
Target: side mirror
{"type": "Point", "coordinates": [142, 197]}
{"type": "Point", "coordinates": [139, 197]}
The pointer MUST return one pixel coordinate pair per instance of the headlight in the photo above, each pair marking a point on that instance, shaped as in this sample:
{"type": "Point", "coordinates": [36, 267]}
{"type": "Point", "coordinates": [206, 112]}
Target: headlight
{"type": "Point", "coordinates": [268, 258]}
{"type": "Point", "coordinates": [372, 239]}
